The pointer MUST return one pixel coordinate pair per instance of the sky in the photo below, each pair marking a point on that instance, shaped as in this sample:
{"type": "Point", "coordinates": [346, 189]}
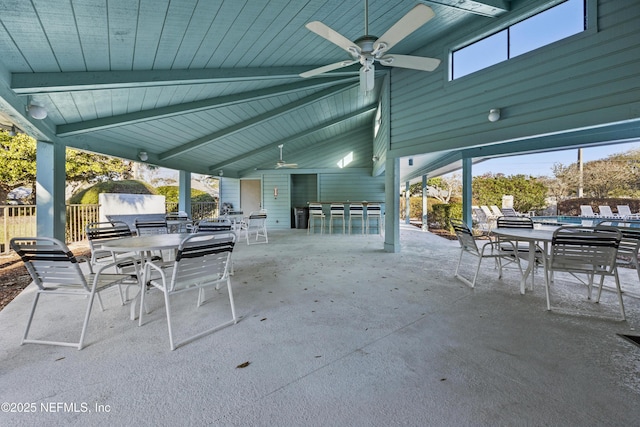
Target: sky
{"type": "Point", "coordinates": [554, 24]}
{"type": "Point", "coordinates": [541, 164]}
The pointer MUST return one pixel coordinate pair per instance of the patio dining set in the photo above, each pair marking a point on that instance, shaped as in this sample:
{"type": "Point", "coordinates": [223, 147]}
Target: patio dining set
{"type": "Point", "coordinates": [173, 255]}
{"type": "Point", "coordinates": [588, 253]}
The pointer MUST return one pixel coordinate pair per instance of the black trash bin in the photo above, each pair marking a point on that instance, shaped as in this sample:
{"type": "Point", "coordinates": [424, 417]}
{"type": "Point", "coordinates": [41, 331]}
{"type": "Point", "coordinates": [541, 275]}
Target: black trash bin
{"type": "Point", "coordinates": [302, 217]}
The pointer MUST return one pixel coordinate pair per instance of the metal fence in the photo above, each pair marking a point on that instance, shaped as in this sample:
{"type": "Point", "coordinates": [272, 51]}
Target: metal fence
{"type": "Point", "coordinates": [20, 220]}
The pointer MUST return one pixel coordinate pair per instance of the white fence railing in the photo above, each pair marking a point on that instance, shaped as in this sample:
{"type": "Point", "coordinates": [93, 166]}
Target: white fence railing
{"type": "Point", "coordinates": [20, 220]}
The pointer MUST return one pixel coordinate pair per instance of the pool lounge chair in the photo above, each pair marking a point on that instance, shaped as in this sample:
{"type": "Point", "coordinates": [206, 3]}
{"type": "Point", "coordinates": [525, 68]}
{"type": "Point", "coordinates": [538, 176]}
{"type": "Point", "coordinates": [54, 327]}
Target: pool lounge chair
{"type": "Point", "coordinates": [606, 212]}
{"type": "Point", "coordinates": [625, 212]}
{"type": "Point", "coordinates": [586, 210]}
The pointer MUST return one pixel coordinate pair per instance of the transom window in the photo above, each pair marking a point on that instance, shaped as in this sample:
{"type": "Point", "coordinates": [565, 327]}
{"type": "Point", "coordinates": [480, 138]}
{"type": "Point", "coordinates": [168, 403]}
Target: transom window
{"type": "Point", "coordinates": [556, 23]}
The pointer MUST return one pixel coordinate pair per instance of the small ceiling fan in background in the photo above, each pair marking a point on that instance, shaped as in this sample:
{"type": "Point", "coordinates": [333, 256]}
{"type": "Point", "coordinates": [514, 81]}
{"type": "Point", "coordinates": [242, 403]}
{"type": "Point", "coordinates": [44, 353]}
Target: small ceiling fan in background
{"type": "Point", "coordinates": [368, 49]}
{"type": "Point", "coordinates": [281, 164]}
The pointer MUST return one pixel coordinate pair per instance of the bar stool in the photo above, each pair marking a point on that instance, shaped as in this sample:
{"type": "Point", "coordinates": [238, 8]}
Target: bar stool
{"type": "Point", "coordinates": [337, 212]}
{"type": "Point", "coordinates": [374, 213]}
{"type": "Point", "coordinates": [356, 212]}
{"type": "Point", "coordinates": [315, 213]}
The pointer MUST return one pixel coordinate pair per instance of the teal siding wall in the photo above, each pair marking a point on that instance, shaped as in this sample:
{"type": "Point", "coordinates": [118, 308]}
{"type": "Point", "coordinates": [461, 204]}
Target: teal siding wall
{"type": "Point", "coordinates": [587, 80]}
{"type": "Point", "coordinates": [230, 191]}
{"type": "Point", "coordinates": [278, 209]}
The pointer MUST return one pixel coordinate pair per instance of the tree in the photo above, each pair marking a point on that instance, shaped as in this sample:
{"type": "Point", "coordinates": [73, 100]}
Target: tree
{"type": "Point", "coordinates": [528, 192]}
{"type": "Point", "coordinates": [444, 188]}
{"type": "Point", "coordinates": [614, 176]}
{"type": "Point", "coordinates": [18, 165]}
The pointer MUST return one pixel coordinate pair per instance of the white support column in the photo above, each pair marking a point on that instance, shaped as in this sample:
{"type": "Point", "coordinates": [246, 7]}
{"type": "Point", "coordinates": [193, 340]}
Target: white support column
{"type": "Point", "coordinates": [51, 213]}
{"type": "Point", "coordinates": [466, 191]}
{"type": "Point", "coordinates": [184, 192]}
{"type": "Point", "coordinates": [425, 197]}
{"type": "Point", "coordinates": [392, 206]}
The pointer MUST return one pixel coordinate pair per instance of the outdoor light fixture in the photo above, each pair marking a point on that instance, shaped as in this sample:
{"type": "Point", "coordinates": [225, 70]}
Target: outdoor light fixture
{"type": "Point", "coordinates": [13, 131]}
{"type": "Point", "coordinates": [410, 161]}
{"type": "Point", "coordinates": [375, 158]}
{"type": "Point", "coordinates": [494, 114]}
{"type": "Point", "coordinates": [142, 155]}
{"type": "Point", "coordinates": [36, 111]}
{"type": "Point", "coordinates": [220, 173]}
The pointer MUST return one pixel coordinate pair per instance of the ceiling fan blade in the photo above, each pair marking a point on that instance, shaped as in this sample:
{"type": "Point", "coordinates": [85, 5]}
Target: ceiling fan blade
{"type": "Point", "coordinates": [286, 166]}
{"type": "Point", "coordinates": [414, 19]}
{"type": "Point", "coordinates": [334, 37]}
{"type": "Point", "coordinates": [412, 62]}
{"type": "Point", "coordinates": [327, 68]}
{"type": "Point", "coordinates": [367, 77]}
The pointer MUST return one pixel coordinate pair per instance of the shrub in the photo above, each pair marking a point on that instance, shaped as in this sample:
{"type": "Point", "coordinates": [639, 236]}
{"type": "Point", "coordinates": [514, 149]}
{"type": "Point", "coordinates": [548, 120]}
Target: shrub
{"type": "Point", "coordinates": [170, 192]}
{"type": "Point", "coordinates": [89, 196]}
{"type": "Point", "coordinates": [571, 207]}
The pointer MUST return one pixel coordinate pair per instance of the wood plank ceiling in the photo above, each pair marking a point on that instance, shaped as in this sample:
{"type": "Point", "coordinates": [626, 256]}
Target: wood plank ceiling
{"type": "Point", "coordinates": [199, 85]}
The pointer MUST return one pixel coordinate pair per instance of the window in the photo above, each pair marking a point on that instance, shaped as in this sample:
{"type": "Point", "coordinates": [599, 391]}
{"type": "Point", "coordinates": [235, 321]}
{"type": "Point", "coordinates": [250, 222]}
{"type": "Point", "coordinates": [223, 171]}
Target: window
{"type": "Point", "coordinates": [546, 27]}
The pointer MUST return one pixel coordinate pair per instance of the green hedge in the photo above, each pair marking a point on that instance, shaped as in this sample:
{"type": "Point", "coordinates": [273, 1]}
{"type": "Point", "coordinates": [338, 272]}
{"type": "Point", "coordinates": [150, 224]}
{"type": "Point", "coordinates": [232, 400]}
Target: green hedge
{"type": "Point", "coordinates": [572, 207]}
{"type": "Point", "coordinates": [89, 196]}
{"type": "Point", "coordinates": [170, 192]}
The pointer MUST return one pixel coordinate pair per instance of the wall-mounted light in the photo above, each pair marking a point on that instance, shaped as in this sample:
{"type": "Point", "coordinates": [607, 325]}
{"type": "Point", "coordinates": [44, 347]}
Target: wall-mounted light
{"type": "Point", "coordinates": [494, 114]}
{"type": "Point", "coordinates": [221, 172]}
{"type": "Point", "coordinates": [13, 131]}
{"type": "Point", "coordinates": [36, 111]}
{"type": "Point", "coordinates": [142, 155]}
{"type": "Point", "coordinates": [375, 158]}
{"type": "Point", "coordinates": [275, 192]}
{"type": "Point", "coordinates": [410, 161]}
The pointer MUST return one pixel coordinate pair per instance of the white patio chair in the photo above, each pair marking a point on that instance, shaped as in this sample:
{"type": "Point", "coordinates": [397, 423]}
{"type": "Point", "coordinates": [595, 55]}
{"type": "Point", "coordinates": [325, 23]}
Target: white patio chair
{"type": "Point", "coordinates": [489, 249]}
{"type": "Point", "coordinates": [315, 214]}
{"type": "Point", "coordinates": [496, 211]}
{"type": "Point", "coordinates": [336, 212]}
{"type": "Point", "coordinates": [356, 213]}
{"type": "Point", "coordinates": [521, 248]}
{"type": "Point", "coordinates": [202, 262]}
{"type": "Point", "coordinates": [589, 251]}
{"type": "Point", "coordinates": [256, 223]}
{"type": "Point", "coordinates": [625, 212]}
{"type": "Point", "coordinates": [213, 225]}
{"type": "Point", "coordinates": [56, 271]}
{"type": "Point", "coordinates": [509, 212]}
{"type": "Point", "coordinates": [587, 211]}
{"type": "Point", "coordinates": [629, 248]}
{"type": "Point", "coordinates": [374, 213]}
{"type": "Point", "coordinates": [483, 223]}
{"type": "Point", "coordinates": [99, 233]}
{"type": "Point", "coordinates": [178, 222]}
{"type": "Point", "coordinates": [606, 212]}
{"type": "Point", "coordinates": [148, 226]}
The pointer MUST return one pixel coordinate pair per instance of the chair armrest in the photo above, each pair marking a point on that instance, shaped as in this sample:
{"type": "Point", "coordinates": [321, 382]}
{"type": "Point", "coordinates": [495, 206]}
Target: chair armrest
{"type": "Point", "coordinates": [116, 263]}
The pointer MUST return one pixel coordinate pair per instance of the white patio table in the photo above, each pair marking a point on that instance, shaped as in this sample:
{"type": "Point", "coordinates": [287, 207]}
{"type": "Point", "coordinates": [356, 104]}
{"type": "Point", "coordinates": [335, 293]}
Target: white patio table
{"type": "Point", "coordinates": [540, 234]}
{"type": "Point", "coordinates": [145, 245]}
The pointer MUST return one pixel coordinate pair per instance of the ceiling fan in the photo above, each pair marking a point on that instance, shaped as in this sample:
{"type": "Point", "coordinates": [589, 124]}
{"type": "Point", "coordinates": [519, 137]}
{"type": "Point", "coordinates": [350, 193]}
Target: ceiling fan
{"type": "Point", "coordinates": [368, 49]}
{"type": "Point", "coordinates": [280, 164]}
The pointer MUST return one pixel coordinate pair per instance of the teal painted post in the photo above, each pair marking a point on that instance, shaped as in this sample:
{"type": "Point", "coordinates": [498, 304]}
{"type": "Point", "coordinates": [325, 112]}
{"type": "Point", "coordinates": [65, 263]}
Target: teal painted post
{"type": "Point", "coordinates": [425, 197]}
{"type": "Point", "coordinates": [51, 215]}
{"type": "Point", "coordinates": [466, 191]}
{"type": "Point", "coordinates": [407, 204]}
{"type": "Point", "coordinates": [184, 192]}
{"type": "Point", "coordinates": [392, 205]}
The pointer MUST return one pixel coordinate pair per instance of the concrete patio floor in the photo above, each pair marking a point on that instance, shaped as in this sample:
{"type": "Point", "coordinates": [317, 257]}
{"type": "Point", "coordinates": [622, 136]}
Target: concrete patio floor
{"type": "Point", "coordinates": [336, 332]}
